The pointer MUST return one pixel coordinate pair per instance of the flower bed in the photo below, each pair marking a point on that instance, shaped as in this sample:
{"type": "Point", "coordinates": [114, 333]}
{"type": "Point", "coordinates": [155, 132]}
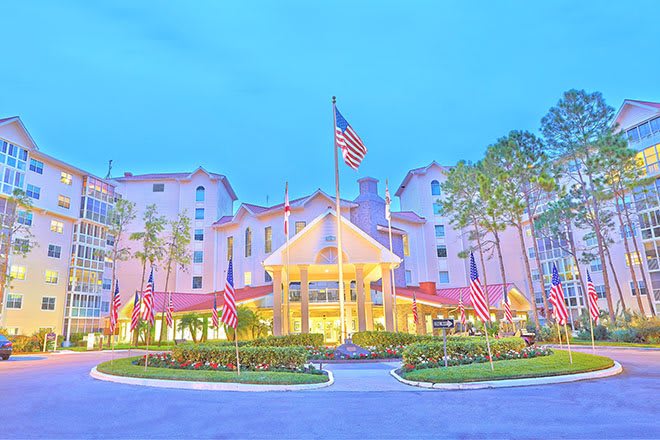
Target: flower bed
{"type": "Point", "coordinates": [328, 353]}
{"type": "Point", "coordinates": [434, 361]}
{"type": "Point", "coordinates": [253, 358]}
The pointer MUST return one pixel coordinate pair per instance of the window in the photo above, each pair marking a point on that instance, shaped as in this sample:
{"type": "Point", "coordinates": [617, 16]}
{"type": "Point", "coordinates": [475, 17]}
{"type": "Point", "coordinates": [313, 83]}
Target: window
{"type": "Point", "coordinates": [596, 265]}
{"type": "Point", "coordinates": [199, 194]}
{"type": "Point", "coordinates": [531, 252]}
{"type": "Point", "coordinates": [535, 275]}
{"type": "Point", "coordinates": [107, 284]}
{"type": "Point", "coordinates": [52, 276]}
{"type": "Point", "coordinates": [437, 208]}
{"type": "Point", "coordinates": [57, 226]}
{"type": "Point", "coordinates": [17, 272]}
{"type": "Point", "coordinates": [441, 250]}
{"type": "Point", "coordinates": [158, 187]}
{"type": "Point", "coordinates": [444, 277]}
{"type": "Point", "coordinates": [198, 257]}
{"type": "Point", "coordinates": [196, 282]}
{"type": "Point", "coordinates": [435, 188]}
{"type": "Point", "coordinates": [36, 166]}
{"type": "Point", "coordinates": [628, 231]}
{"type": "Point", "coordinates": [247, 278]}
{"type": "Point", "coordinates": [268, 239]}
{"type": "Point", "coordinates": [66, 178]}
{"type": "Point", "coordinates": [48, 303]}
{"type": "Point", "coordinates": [110, 240]}
{"type": "Point", "coordinates": [199, 234]}
{"type": "Point", "coordinates": [54, 251]}
{"type": "Point", "coordinates": [105, 306]}
{"type": "Point", "coordinates": [406, 245]}
{"type": "Point", "coordinates": [634, 257]}
{"type": "Point", "coordinates": [600, 291]}
{"type": "Point", "coordinates": [408, 277]}
{"type": "Point", "coordinates": [439, 231]}
{"type": "Point", "coordinates": [300, 226]}
{"type": "Point", "coordinates": [14, 301]}
{"type": "Point", "coordinates": [21, 245]}
{"type": "Point", "coordinates": [642, 288]}
{"type": "Point", "coordinates": [64, 201]}
{"type": "Point", "coordinates": [267, 277]}
{"type": "Point", "coordinates": [248, 242]}
{"type": "Point", "coordinates": [33, 191]}
{"type": "Point", "coordinates": [199, 213]}
{"type": "Point", "coordinates": [24, 218]}
{"type": "Point", "coordinates": [230, 248]}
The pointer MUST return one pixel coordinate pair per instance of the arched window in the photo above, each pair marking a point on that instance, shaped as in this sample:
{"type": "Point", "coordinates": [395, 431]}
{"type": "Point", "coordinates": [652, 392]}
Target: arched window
{"type": "Point", "coordinates": [248, 242]}
{"type": "Point", "coordinates": [199, 194]}
{"type": "Point", "coordinates": [435, 188]}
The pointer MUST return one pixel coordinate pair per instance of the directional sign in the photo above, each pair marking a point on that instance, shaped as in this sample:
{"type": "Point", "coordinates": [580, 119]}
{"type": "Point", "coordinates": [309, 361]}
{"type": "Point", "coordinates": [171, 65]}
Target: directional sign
{"type": "Point", "coordinates": [50, 337]}
{"type": "Point", "coordinates": [443, 323]}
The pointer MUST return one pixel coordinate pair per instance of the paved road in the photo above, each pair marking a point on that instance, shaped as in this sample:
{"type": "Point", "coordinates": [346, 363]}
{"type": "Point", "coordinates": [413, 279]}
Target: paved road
{"type": "Point", "coordinates": [55, 398]}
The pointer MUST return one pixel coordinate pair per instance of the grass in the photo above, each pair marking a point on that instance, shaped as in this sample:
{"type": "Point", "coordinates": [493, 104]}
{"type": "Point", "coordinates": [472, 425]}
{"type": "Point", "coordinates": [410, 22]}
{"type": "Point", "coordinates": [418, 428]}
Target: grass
{"type": "Point", "coordinates": [613, 343]}
{"type": "Point", "coordinates": [124, 367]}
{"type": "Point", "coordinates": [552, 365]}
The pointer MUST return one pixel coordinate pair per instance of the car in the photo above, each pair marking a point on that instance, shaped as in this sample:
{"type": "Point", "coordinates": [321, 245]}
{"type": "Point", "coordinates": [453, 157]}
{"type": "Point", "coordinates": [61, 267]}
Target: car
{"type": "Point", "coordinates": [6, 347]}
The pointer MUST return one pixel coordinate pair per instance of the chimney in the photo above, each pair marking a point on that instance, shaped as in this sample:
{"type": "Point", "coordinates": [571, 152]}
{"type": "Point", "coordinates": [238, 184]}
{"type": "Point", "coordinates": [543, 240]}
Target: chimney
{"type": "Point", "coordinates": [427, 287]}
{"type": "Point", "coordinates": [368, 185]}
{"type": "Point", "coordinates": [128, 174]}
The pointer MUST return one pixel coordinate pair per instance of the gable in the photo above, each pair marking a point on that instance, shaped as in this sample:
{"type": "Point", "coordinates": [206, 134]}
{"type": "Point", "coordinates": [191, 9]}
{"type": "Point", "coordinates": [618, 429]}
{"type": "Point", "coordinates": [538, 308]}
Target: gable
{"type": "Point", "coordinates": [632, 113]}
{"type": "Point", "coordinates": [13, 130]}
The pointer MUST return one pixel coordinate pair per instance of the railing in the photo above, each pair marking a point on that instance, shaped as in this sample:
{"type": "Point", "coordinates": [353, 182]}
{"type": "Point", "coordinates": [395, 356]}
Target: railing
{"type": "Point", "coordinates": [322, 296]}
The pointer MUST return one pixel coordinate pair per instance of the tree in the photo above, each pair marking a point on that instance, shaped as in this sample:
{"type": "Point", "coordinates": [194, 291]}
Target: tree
{"type": "Point", "coordinates": [522, 171]}
{"type": "Point", "coordinates": [571, 130]}
{"type": "Point", "coordinates": [122, 215]}
{"type": "Point", "coordinates": [250, 324]}
{"type": "Point", "coordinates": [193, 323]}
{"type": "Point", "coordinates": [177, 253]}
{"type": "Point", "coordinates": [16, 237]}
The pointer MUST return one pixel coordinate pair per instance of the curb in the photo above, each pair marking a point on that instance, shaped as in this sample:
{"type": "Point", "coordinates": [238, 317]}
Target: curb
{"type": "Point", "coordinates": [507, 383]}
{"type": "Point", "coordinates": [207, 386]}
{"type": "Point", "coordinates": [607, 347]}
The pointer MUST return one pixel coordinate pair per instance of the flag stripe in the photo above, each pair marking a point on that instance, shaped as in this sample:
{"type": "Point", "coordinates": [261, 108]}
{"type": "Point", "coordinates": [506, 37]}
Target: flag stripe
{"type": "Point", "coordinates": [229, 315]}
{"type": "Point", "coordinates": [477, 293]}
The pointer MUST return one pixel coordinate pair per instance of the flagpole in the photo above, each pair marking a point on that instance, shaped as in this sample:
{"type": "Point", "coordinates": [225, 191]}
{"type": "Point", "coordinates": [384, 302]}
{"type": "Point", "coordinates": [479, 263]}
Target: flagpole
{"type": "Point", "coordinates": [286, 270]}
{"type": "Point", "coordinates": [392, 278]}
{"type": "Point", "coordinates": [568, 343]}
{"type": "Point", "coordinates": [559, 334]}
{"type": "Point", "coordinates": [340, 262]}
{"type": "Point", "coordinates": [238, 360]}
{"type": "Point", "coordinates": [591, 324]}
{"type": "Point", "coordinates": [490, 355]}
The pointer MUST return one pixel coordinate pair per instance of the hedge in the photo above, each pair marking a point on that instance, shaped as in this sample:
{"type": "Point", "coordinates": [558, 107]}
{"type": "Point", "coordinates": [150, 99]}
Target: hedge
{"type": "Point", "coordinates": [421, 352]}
{"type": "Point", "coordinates": [388, 339]}
{"type": "Point", "coordinates": [251, 357]}
{"type": "Point", "coordinates": [303, 339]}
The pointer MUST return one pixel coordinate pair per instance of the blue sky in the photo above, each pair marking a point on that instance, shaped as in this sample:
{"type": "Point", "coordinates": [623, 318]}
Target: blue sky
{"type": "Point", "coordinates": [243, 88]}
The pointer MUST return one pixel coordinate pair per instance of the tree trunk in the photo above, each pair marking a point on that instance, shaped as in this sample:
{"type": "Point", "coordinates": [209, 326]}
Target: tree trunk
{"type": "Point", "coordinates": [616, 281]}
{"type": "Point", "coordinates": [645, 276]}
{"type": "Point", "coordinates": [630, 259]}
{"type": "Point", "coordinates": [136, 333]}
{"type": "Point", "coordinates": [501, 261]}
{"type": "Point", "coordinates": [571, 242]}
{"type": "Point", "coordinates": [539, 268]}
{"type": "Point", "coordinates": [528, 272]}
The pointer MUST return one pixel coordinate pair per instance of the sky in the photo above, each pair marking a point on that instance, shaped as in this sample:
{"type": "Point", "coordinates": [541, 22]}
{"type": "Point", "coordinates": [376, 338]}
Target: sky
{"type": "Point", "coordinates": [243, 88]}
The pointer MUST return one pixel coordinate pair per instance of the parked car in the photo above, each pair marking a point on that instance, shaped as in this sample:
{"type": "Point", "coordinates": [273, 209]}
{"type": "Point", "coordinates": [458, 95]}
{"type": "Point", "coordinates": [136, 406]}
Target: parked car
{"type": "Point", "coordinates": [6, 347]}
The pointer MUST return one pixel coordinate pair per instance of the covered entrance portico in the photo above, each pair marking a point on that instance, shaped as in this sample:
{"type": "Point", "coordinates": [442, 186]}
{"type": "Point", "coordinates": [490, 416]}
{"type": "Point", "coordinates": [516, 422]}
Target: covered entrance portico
{"type": "Point", "coordinates": [306, 293]}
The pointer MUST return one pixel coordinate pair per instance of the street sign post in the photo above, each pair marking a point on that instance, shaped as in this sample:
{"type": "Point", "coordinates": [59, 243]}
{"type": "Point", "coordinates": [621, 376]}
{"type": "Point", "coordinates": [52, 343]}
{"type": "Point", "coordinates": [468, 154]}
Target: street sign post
{"type": "Point", "coordinates": [444, 324]}
{"type": "Point", "coordinates": [50, 338]}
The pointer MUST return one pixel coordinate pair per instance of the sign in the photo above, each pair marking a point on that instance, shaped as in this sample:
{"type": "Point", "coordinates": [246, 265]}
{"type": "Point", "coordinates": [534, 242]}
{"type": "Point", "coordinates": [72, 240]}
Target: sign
{"type": "Point", "coordinates": [443, 323]}
{"type": "Point", "coordinates": [50, 342]}
{"type": "Point", "coordinates": [50, 337]}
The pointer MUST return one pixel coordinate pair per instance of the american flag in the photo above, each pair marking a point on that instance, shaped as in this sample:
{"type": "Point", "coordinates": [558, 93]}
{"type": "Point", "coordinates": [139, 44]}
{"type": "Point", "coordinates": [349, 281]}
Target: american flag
{"type": "Point", "coordinates": [169, 311]}
{"type": "Point", "coordinates": [214, 313]}
{"type": "Point", "coordinates": [593, 299]}
{"type": "Point", "coordinates": [148, 300]}
{"type": "Point", "coordinates": [135, 317]}
{"type": "Point", "coordinates": [507, 306]}
{"type": "Point", "coordinates": [388, 203]}
{"type": "Point", "coordinates": [414, 309]}
{"type": "Point", "coordinates": [352, 148]}
{"type": "Point", "coordinates": [559, 311]}
{"type": "Point", "coordinates": [461, 308]}
{"type": "Point", "coordinates": [287, 209]}
{"type": "Point", "coordinates": [114, 308]}
{"type": "Point", "coordinates": [477, 293]}
{"type": "Point", "coordinates": [229, 315]}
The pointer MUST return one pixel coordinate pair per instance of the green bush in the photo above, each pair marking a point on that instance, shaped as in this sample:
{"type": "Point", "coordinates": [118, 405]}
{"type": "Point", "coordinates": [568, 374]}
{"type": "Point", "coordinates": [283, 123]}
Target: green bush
{"type": "Point", "coordinates": [27, 344]}
{"type": "Point", "coordinates": [387, 339]}
{"type": "Point", "coordinates": [648, 329]}
{"type": "Point", "coordinates": [251, 357]}
{"type": "Point", "coordinates": [302, 339]}
{"type": "Point", "coordinates": [421, 352]}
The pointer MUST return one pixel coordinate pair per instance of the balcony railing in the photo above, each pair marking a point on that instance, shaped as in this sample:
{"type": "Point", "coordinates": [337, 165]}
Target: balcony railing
{"type": "Point", "coordinates": [322, 296]}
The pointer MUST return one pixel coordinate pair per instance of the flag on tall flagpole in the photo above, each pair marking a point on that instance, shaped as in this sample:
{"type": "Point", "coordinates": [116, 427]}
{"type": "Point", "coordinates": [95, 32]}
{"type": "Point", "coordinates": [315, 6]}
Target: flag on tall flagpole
{"type": "Point", "coordinates": [229, 315]}
{"type": "Point", "coordinates": [592, 299]}
{"type": "Point", "coordinates": [214, 313]}
{"type": "Point", "coordinates": [287, 210]}
{"type": "Point", "coordinates": [507, 307]}
{"type": "Point", "coordinates": [461, 308]}
{"type": "Point", "coordinates": [559, 311]}
{"type": "Point", "coordinates": [114, 309]}
{"type": "Point", "coordinates": [477, 293]}
{"type": "Point", "coordinates": [169, 311]}
{"type": "Point", "coordinates": [414, 308]}
{"type": "Point", "coordinates": [352, 147]}
{"type": "Point", "coordinates": [148, 300]}
{"type": "Point", "coordinates": [135, 316]}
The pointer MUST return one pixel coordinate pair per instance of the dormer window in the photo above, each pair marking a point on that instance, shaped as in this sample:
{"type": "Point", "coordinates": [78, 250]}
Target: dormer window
{"type": "Point", "coordinates": [200, 194]}
{"type": "Point", "coordinates": [435, 188]}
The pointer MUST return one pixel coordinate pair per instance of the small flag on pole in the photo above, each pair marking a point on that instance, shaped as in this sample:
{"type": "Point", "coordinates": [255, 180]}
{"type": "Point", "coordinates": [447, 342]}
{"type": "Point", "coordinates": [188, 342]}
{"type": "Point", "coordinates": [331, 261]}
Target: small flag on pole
{"type": "Point", "coordinates": [507, 307]}
{"type": "Point", "coordinates": [170, 310]}
{"type": "Point", "coordinates": [593, 299]}
{"type": "Point", "coordinates": [461, 308]}
{"type": "Point", "coordinates": [388, 203]}
{"type": "Point", "coordinates": [229, 316]}
{"type": "Point", "coordinates": [148, 300]}
{"type": "Point", "coordinates": [214, 313]}
{"type": "Point", "coordinates": [135, 316]}
{"type": "Point", "coordinates": [287, 209]}
{"type": "Point", "coordinates": [352, 147]}
{"type": "Point", "coordinates": [477, 293]}
{"type": "Point", "coordinates": [114, 309]}
{"type": "Point", "coordinates": [414, 308]}
{"type": "Point", "coordinates": [559, 311]}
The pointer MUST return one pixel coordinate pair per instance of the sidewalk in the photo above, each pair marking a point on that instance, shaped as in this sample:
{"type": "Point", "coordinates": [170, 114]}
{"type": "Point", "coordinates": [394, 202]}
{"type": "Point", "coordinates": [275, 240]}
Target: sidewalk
{"type": "Point", "coordinates": [365, 377]}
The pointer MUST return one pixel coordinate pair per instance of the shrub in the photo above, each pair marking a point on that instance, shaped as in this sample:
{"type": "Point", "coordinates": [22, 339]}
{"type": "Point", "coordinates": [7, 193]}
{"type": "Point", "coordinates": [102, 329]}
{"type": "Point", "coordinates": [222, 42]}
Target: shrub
{"type": "Point", "coordinates": [251, 357]}
{"type": "Point", "coordinates": [422, 352]}
{"type": "Point", "coordinates": [648, 329]}
{"type": "Point", "coordinates": [26, 344]}
{"type": "Point", "coordinates": [302, 339]}
{"type": "Point", "coordinates": [387, 339]}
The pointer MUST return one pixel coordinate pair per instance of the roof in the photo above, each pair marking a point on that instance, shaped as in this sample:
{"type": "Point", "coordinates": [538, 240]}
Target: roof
{"type": "Point", "coordinates": [450, 296]}
{"type": "Point", "coordinates": [653, 107]}
{"type": "Point", "coordinates": [417, 171]}
{"type": "Point", "coordinates": [18, 120]}
{"type": "Point", "coordinates": [409, 216]}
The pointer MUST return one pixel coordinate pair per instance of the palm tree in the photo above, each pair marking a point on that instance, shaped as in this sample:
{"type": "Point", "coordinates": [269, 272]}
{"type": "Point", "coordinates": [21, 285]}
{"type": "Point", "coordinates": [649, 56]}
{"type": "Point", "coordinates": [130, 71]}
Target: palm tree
{"type": "Point", "coordinates": [193, 323]}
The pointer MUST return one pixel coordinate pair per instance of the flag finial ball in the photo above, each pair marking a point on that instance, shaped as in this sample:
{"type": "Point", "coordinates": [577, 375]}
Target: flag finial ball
{"type": "Point", "coordinates": [334, 99]}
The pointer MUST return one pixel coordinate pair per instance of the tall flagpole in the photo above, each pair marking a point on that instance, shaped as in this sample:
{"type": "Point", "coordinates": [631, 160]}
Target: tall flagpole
{"type": "Point", "coordinates": [288, 281]}
{"type": "Point", "coordinates": [340, 263]}
{"type": "Point", "coordinates": [392, 278]}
